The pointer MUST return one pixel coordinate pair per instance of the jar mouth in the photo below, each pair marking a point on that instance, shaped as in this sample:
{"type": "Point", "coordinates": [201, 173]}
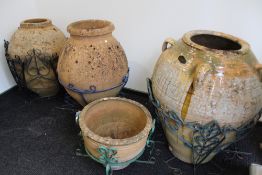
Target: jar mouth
{"type": "Point", "coordinates": [215, 41]}
{"type": "Point", "coordinates": [90, 28]}
{"type": "Point", "coordinates": [36, 22]}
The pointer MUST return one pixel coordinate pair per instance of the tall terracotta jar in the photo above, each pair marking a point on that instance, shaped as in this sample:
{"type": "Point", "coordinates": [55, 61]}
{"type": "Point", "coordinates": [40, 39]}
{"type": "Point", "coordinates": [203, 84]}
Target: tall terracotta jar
{"type": "Point", "coordinates": [93, 63]}
{"type": "Point", "coordinates": [208, 92]}
{"type": "Point", "coordinates": [33, 51]}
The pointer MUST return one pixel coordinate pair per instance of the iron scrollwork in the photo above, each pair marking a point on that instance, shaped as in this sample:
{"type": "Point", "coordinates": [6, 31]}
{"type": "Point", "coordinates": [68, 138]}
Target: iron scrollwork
{"type": "Point", "coordinates": [34, 66]}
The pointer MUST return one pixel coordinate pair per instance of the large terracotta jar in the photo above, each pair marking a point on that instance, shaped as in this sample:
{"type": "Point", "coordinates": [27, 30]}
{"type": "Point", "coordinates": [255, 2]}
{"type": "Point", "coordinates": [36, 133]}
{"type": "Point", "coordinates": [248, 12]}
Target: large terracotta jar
{"type": "Point", "coordinates": [92, 64]}
{"type": "Point", "coordinates": [32, 55]}
{"type": "Point", "coordinates": [208, 92]}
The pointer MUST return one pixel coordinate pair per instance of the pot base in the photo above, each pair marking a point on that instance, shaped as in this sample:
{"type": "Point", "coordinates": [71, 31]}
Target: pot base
{"type": "Point", "coordinates": [46, 92]}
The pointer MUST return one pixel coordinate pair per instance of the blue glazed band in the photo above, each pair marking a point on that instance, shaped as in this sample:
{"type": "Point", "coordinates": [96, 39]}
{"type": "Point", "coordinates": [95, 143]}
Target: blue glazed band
{"type": "Point", "coordinates": [92, 88]}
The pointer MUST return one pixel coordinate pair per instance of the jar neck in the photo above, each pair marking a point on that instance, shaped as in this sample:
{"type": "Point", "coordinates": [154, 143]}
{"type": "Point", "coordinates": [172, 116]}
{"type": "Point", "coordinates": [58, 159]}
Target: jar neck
{"type": "Point", "coordinates": [90, 28]}
{"type": "Point", "coordinates": [36, 23]}
{"type": "Point", "coordinates": [91, 37]}
{"type": "Point", "coordinates": [216, 42]}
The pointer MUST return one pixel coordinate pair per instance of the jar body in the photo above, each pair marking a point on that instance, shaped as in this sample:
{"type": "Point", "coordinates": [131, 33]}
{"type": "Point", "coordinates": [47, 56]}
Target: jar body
{"type": "Point", "coordinates": [37, 44]}
{"type": "Point", "coordinates": [211, 88]}
{"type": "Point", "coordinates": [125, 153]}
{"type": "Point", "coordinates": [118, 127]}
{"type": "Point", "coordinates": [94, 66]}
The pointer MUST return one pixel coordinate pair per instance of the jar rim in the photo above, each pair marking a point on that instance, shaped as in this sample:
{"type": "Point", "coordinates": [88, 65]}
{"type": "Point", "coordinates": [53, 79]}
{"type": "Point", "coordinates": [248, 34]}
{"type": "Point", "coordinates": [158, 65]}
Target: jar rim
{"type": "Point", "coordinates": [91, 27]}
{"type": "Point", "coordinates": [234, 44]}
{"type": "Point", "coordinates": [35, 23]}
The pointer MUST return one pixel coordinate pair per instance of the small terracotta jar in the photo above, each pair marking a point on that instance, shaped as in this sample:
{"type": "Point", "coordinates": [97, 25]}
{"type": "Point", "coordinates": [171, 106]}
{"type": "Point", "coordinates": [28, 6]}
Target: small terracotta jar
{"type": "Point", "coordinates": [208, 92]}
{"type": "Point", "coordinates": [115, 131]}
{"type": "Point", "coordinates": [34, 50]}
{"type": "Point", "coordinates": [92, 64]}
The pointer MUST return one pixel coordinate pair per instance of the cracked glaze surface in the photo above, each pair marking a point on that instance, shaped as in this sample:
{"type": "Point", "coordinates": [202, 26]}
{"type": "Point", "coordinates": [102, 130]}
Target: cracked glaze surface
{"type": "Point", "coordinates": [211, 85]}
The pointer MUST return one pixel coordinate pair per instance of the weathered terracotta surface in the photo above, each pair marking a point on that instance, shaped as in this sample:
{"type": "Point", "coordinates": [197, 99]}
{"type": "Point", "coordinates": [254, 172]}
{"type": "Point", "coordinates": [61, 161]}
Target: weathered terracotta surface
{"type": "Point", "coordinates": [45, 38]}
{"type": "Point", "coordinates": [117, 123]}
{"type": "Point", "coordinates": [207, 76]}
{"type": "Point", "coordinates": [92, 57]}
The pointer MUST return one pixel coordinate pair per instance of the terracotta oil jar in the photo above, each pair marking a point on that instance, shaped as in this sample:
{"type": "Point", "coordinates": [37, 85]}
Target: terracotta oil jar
{"type": "Point", "coordinates": [92, 64]}
{"type": "Point", "coordinates": [208, 91]}
{"type": "Point", "coordinates": [115, 130]}
{"type": "Point", "coordinates": [37, 44]}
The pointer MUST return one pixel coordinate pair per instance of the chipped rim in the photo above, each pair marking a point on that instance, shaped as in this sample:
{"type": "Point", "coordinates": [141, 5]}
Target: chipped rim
{"type": "Point", "coordinates": [75, 30]}
{"type": "Point", "coordinates": [35, 23]}
{"type": "Point", "coordinates": [187, 39]}
{"type": "Point", "coordinates": [86, 132]}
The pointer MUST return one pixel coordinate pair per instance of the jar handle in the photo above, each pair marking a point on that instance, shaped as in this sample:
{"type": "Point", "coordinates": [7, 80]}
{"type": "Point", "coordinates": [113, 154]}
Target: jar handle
{"type": "Point", "coordinates": [258, 67]}
{"type": "Point", "coordinates": [167, 41]}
